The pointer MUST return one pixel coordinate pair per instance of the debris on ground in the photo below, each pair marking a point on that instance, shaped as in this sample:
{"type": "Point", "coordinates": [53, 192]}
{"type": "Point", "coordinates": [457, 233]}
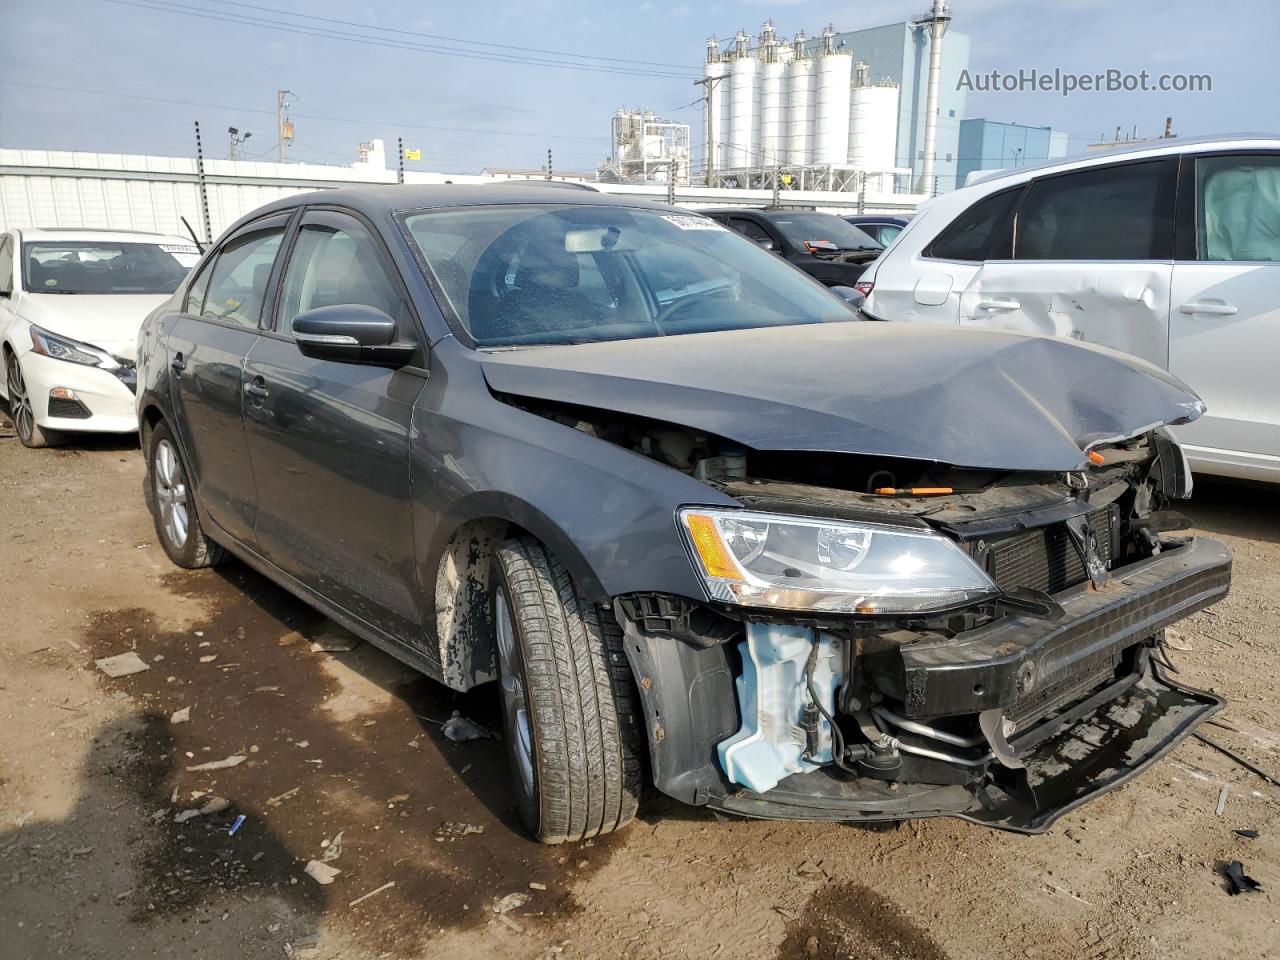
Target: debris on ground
{"type": "Point", "coordinates": [236, 825]}
{"type": "Point", "coordinates": [372, 893]}
{"type": "Point", "coordinates": [1248, 765]}
{"type": "Point", "coordinates": [281, 798]}
{"type": "Point", "coordinates": [1247, 834]}
{"type": "Point", "coordinates": [1238, 881]}
{"type": "Point", "coordinates": [309, 942]}
{"type": "Point", "coordinates": [453, 831]}
{"type": "Point", "coordinates": [512, 901]}
{"type": "Point", "coordinates": [180, 716]}
{"type": "Point", "coordinates": [321, 873]}
{"type": "Point", "coordinates": [333, 849]}
{"type": "Point", "coordinates": [212, 806]}
{"type": "Point", "coordinates": [335, 640]}
{"type": "Point", "coordinates": [218, 764]}
{"type": "Point", "coordinates": [459, 729]}
{"type": "Point", "coordinates": [122, 665]}
{"type": "Point", "coordinates": [534, 885]}
{"type": "Point", "coordinates": [209, 658]}
{"type": "Point", "coordinates": [1175, 640]}
{"type": "Point", "coordinates": [1222, 802]}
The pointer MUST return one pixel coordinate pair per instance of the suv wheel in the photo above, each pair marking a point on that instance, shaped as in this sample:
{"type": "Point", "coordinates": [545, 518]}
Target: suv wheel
{"type": "Point", "coordinates": [172, 506]}
{"type": "Point", "coordinates": [569, 711]}
{"type": "Point", "coordinates": [24, 418]}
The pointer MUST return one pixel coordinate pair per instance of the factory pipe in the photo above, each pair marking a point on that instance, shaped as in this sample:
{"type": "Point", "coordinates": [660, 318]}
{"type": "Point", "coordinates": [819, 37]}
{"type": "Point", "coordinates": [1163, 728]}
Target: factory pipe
{"type": "Point", "coordinates": [936, 21]}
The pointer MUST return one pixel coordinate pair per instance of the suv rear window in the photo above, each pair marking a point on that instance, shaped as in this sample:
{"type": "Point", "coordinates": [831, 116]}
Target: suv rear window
{"type": "Point", "coordinates": [970, 235]}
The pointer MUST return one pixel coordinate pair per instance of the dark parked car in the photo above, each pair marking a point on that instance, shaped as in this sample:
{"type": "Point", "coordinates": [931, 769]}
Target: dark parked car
{"type": "Point", "coordinates": [880, 228]}
{"type": "Point", "coordinates": [684, 511]}
{"type": "Point", "coordinates": [821, 244]}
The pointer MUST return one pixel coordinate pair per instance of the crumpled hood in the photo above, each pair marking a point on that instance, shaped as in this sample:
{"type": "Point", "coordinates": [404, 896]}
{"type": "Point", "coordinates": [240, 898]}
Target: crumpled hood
{"type": "Point", "coordinates": [108, 321]}
{"type": "Point", "coordinates": [969, 398]}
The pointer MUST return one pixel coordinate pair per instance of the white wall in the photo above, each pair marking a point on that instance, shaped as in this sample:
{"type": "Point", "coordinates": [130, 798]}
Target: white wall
{"type": "Point", "coordinates": [43, 188]}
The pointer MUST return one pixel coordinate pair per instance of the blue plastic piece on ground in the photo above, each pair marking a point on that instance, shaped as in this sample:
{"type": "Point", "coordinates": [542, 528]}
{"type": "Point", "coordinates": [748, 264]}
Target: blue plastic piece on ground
{"type": "Point", "coordinates": [772, 696]}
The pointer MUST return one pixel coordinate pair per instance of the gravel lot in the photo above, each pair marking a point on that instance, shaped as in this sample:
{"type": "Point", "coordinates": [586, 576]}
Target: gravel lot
{"type": "Point", "coordinates": [343, 756]}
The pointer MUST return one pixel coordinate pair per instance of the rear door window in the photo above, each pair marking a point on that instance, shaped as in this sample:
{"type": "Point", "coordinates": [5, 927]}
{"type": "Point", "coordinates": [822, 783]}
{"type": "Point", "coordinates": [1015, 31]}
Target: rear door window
{"type": "Point", "coordinates": [979, 232]}
{"type": "Point", "coordinates": [1238, 215]}
{"type": "Point", "coordinates": [1110, 213]}
{"type": "Point", "coordinates": [238, 280]}
{"type": "Point", "coordinates": [749, 228]}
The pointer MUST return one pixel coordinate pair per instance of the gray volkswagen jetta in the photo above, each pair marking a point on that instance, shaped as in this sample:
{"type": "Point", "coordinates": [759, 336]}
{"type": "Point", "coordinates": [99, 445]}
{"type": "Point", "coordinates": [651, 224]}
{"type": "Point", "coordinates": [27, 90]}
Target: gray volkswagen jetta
{"type": "Point", "coordinates": [697, 523]}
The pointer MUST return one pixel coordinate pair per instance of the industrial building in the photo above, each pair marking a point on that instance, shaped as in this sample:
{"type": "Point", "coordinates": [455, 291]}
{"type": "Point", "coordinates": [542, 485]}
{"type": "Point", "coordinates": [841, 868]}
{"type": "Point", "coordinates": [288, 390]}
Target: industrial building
{"type": "Point", "coordinates": [835, 111]}
{"type": "Point", "coordinates": [991, 145]}
{"type": "Point", "coordinates": [646, 149]}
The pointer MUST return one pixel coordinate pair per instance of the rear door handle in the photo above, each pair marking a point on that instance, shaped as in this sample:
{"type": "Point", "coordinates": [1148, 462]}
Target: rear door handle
{"type": "Point", "coordinates": [1000, 303]}
{"type": "Point", "coordinates": [1211, 308]}
{"type": "Point", "coordinates": [256, 390]}
{"type": "Point", "coordinates": [179, 363]}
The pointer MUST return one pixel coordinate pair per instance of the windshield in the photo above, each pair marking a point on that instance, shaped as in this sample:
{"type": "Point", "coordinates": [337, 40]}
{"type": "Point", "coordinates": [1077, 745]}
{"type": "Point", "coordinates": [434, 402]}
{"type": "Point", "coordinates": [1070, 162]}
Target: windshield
{"type": "Point", "coordinates": [540, 274]}
{"type": "Point", "coordinates": [819, 228]}
{"type": "Point", "coordinates": [83, 266]}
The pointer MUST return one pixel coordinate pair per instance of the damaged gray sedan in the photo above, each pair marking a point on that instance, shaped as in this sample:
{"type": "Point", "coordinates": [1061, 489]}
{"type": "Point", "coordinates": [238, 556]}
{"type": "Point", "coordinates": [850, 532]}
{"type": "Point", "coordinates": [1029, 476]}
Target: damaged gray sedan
{"type": "Point", "coordinates": [698, 523]}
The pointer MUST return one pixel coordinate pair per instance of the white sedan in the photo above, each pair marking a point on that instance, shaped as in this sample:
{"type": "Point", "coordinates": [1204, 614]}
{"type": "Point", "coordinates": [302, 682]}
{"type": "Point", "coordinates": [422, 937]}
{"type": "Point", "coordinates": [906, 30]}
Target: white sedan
{"type": "Point", "coordinates": [71, 303]}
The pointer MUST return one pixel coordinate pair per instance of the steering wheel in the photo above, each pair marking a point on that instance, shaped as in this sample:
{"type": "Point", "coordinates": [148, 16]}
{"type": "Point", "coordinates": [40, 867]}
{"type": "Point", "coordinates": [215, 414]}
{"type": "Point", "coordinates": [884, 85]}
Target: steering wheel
{"type": "Point", "coordinates": [679, 303]}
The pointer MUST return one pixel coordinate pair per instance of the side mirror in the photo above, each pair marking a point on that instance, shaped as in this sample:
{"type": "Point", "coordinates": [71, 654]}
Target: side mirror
{"type": "Point", "coordinates": [350, 333]}
{"type": "Point", "coordinates": [765, 243]}
{"type": "Point", "coordinates": [853, 299]}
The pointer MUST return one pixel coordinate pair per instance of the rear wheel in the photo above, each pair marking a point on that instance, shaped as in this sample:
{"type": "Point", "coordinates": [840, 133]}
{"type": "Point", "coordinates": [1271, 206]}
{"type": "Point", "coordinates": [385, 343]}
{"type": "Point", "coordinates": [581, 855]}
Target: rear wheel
{"type": "Point", "coordinates": [172, 506]}
{"type": "Point", "coordinates": [20, 411]}
{"type": "Point", "coordinates": [572, 733]}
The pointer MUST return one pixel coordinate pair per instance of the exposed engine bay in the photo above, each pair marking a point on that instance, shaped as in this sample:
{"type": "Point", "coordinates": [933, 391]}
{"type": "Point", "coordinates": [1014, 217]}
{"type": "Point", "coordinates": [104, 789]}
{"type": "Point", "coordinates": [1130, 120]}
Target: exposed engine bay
{"type": "Point", "coordinates": [1029, 679]}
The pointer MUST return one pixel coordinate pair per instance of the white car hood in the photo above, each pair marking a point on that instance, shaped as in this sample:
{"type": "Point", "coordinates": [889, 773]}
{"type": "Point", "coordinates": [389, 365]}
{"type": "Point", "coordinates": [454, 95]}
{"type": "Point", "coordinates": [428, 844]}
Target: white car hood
{"type": "Point", "coordinates": [108, 321]}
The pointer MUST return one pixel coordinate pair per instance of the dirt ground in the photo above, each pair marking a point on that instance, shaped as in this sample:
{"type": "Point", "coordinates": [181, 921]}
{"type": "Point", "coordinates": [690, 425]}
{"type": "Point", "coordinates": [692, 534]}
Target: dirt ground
{"type": "Point", "coordinates": [344, 757]}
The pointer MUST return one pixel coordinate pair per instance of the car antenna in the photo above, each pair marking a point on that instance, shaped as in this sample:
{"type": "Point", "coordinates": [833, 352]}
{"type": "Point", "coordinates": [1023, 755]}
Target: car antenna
{"type": "Point", "coordinates": [194, 238]}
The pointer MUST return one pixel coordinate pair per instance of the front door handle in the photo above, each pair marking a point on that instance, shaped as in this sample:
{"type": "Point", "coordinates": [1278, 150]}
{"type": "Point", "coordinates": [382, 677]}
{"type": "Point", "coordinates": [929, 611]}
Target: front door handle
{"type": "Point", "coordinates": [1211, 308]}
{"type": "Point", "coordinates": [256, 390]}
{"type": "Point", "coordinates": [1000, 303]}
{"type": "Point", "coordinates": [179, 363]}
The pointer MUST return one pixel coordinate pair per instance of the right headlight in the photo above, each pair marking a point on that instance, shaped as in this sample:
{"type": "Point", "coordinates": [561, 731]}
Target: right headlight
{"type": "Point", "coordinates": [832, 566]}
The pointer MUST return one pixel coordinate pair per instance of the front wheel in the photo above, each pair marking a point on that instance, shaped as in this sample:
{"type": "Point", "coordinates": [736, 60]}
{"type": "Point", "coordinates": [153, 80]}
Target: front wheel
{"type": "Point", "coordinates": [30, 433]}
{"type": "Point", "coordinates": [569, 712]}
{"type": "Point", "coordinates": [173, 507]}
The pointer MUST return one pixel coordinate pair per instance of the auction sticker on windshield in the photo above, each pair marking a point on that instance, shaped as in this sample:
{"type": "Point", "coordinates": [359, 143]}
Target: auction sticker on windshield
{"type": "Point", "coordinates": [691, 223]}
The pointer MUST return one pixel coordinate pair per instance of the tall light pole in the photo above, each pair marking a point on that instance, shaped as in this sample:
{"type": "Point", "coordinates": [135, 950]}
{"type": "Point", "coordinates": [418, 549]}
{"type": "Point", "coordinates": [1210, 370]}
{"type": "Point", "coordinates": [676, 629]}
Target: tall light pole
{"type": "Point", "coordinates": [236, 141]}
{"type": "Point", "coordinates": [284, 126]}
{"type": "Point", "coordinates": [936, 21]}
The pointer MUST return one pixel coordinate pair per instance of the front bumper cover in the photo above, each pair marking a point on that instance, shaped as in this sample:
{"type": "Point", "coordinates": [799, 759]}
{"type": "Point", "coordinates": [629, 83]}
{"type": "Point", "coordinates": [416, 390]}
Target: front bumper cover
{"type": "Point", "coordinates": [1106, 736]}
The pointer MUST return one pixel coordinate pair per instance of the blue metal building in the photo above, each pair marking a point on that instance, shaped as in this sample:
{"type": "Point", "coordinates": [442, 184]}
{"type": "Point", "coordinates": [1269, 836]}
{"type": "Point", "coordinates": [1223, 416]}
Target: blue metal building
{"type": "Point", "coordinates": [990, 145]}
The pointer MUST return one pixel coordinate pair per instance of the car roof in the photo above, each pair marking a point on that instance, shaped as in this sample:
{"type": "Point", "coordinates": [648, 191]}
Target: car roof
{"type": "Point", "coordinates": [1144, 148]}
{"type": "Point", "coordinates": [98, 236]}
{"type": "Point", "coordinates": [400, 198]}
{"type": "Point", "coordinates": [763, 211]}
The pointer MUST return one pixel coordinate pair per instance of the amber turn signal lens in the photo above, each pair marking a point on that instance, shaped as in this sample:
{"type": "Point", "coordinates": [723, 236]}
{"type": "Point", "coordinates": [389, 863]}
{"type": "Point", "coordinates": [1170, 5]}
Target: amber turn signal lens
{"type": "Point", "coordinates": [715, 556]}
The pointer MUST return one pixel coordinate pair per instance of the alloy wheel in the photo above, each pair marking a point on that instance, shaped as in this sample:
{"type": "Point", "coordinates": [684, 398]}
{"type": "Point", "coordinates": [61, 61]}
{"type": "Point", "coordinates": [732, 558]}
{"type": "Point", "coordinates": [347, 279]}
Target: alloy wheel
{"type": "Point", "coordinates": [20, 411]}
{"type": "Point", "coordinates": [170, 482]}
{"type": "Point", "coordinates": [514, 701]}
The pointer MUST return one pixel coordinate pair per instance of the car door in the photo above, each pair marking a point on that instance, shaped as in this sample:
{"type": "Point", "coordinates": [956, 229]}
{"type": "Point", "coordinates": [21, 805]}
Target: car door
{"type": "Point", "coordinates": [207, 344]}
{"type": "Point", "coordinates": [1225, 317]}
{"type": "Point", "coordinates": [1091, 259]}
{"type": "Point", "coordinates": [329, 441]}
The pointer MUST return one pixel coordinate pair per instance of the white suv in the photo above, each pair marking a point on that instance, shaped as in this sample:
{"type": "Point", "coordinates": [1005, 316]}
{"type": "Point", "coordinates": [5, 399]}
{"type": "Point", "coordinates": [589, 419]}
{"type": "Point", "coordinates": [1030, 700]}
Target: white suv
{"type": "Point", "coordinates": [1168, 251]}
{"type": "Point", "coordinates": [71, 303]}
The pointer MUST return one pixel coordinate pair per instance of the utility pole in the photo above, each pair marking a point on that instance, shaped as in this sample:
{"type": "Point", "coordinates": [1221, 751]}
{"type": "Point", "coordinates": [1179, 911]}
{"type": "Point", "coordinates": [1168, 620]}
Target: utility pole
{"type": "Point", "coordinates": [549, 163]}
{"type": "Point", "coordinates": [284, 126]}
{"type": "Point", "coordinates": [236, 141]}
{"type": "Point", "coordinates": [673, 170]}
{"type": "Point", "coordinates": [204, 194]}
{"type": "Point", "coordinates": [400, 167]}
{"type": "Point", "coordinates": [777, 183]}
{"type": "Point", "coordinates": [712, 123]}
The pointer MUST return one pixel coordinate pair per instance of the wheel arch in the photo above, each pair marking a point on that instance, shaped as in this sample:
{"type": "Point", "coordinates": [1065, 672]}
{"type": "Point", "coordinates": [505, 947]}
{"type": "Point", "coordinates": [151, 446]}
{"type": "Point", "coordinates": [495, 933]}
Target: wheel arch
{"type": "Point", "coordinates": [458, 582]}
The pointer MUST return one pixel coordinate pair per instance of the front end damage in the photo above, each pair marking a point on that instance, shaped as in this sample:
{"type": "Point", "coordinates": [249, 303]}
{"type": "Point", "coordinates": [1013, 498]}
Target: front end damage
{"type": "Point", "coordinates": [1006, 705]}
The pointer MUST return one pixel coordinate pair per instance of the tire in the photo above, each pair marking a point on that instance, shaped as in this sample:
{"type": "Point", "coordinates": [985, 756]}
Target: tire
{"type": "Point", "coordinates": [30, 433]}
{"type": "Point", "coordinates": [172, 506]}
{"type": "Point", "coordinates": [569, 706]}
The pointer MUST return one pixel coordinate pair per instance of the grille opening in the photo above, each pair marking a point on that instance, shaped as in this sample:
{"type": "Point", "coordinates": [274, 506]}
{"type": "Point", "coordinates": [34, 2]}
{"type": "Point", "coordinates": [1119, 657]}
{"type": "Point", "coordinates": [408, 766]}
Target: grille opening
{"type": "Point", "coordinates": [1046, 558]}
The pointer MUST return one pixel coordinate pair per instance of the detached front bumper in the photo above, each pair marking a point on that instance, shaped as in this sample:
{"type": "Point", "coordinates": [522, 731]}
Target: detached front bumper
{"type": "Point", "coordinates": [1080, 705]}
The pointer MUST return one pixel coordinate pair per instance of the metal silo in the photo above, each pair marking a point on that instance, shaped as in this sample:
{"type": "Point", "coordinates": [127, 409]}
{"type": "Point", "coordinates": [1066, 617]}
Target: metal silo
{"type": "Point", "coordinates": [773, 134]}
{"type": "Point", "coordinates": [799, 124]}
{"type": "Point", "coordinates": [831, 112]}
{"type": "Point", "coordinates": [743, 105]}
{"type": "Point", "coordinates": [873, 124]}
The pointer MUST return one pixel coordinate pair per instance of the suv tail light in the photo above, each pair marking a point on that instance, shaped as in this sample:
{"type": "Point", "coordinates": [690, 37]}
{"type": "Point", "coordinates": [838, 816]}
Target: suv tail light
{"type": "Point", "coordinates": [864, 287]}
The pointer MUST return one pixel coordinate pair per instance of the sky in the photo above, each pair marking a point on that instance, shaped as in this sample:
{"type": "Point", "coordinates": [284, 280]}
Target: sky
{"type": "Point", "coordinates": [131, 76]}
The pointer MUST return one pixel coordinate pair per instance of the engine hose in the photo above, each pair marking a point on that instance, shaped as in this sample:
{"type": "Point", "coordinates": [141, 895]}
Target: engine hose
{"type": "Point", "coordinates": [837, 738]}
